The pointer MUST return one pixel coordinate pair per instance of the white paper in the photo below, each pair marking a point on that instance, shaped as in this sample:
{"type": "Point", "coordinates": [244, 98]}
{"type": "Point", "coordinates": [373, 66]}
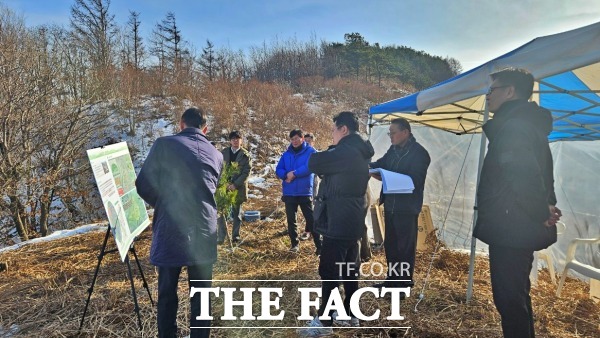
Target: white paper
{"type": "Point", "coordinates": [394, 183]}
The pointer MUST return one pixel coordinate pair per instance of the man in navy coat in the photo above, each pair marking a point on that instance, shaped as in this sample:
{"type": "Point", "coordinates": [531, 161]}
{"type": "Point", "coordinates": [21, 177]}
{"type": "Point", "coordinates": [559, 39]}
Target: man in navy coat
{"type": "Point", "coordinates": [179, 179]}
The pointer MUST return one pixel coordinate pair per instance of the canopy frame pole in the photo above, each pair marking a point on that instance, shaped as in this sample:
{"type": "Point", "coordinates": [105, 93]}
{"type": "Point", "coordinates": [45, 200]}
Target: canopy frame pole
{"type": "Point", "coordinates": [482, 145]}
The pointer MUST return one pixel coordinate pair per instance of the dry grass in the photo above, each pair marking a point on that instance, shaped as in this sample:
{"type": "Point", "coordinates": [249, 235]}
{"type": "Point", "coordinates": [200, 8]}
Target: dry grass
{"type": "Point", "coordinates": [43, 292]}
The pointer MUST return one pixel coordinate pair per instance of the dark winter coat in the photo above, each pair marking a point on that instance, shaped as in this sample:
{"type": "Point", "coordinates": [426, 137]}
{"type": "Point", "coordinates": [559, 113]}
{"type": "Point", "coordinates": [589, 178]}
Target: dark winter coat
{"type": "Point", "coordinates": [341, 204]}
{"type": "Point", "coordinates": [242, 158]}
{"type": "Point", "coordinates": [179, 179]}
{"type": "Point", "coordinates": [411, 160]}
{"type": "Point", "coordinates": [302, 185]}
{"type": "Point", "coordinates": [517, 184]}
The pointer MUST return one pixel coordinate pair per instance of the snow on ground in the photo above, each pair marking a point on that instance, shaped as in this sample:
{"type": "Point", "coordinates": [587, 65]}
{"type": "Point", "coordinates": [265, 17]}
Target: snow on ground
{"type": "Point", "coordinates": [260, 181]}
{"type": "Point", "coordinates": [314, 107]}
{"type": "Point", "coordinates": [59, 234]}
{"type": "Point", "coordinates": [14, 329]}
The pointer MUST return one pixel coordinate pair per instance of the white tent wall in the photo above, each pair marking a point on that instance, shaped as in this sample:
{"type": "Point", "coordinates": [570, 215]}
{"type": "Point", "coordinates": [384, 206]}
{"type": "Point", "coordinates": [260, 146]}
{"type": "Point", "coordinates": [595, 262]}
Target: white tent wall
{"type": "Point", "coordinates": [575, 170]}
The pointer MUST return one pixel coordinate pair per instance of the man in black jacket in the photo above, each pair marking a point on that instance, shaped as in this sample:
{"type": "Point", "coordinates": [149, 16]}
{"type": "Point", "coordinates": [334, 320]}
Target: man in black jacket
{"type": "Point", "coordinates": [515, 197]}
{"type": "Point", "coordinates": [405, 156]}
{"type": "Point", "coordinates": [340, 210]}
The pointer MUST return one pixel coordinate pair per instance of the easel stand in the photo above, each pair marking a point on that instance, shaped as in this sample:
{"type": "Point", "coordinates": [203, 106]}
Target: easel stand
{"type": "Point", "coordinates": [104, 252]}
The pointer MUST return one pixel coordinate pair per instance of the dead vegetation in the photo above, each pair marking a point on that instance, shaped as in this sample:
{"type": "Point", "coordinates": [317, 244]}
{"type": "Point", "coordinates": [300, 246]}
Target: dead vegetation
{"type": "Point", "coordinates": [43, 292]}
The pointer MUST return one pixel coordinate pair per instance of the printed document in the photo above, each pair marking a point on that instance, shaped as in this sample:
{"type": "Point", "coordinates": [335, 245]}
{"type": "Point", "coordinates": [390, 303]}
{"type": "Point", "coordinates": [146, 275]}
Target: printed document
{"type": "Point", "coordinates": [394, 183]}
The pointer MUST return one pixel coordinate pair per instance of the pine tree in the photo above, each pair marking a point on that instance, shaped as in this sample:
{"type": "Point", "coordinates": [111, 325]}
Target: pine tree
{"type": "Point", "coordinates": [226, 198]}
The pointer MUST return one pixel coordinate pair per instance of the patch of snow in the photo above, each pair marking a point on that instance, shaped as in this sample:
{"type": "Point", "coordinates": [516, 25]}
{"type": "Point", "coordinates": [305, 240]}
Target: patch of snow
{"type": "Point", "coordinates": [256, 180]}
{"type": "Point", "coordinates": [14, 329]}
{"type": "Point", "coordinates": [59, 234]}
{"type": "Point", "coordinates": [267, 170]}
{"type": "Point", "coordinates": [478, 252]}
{"type": "Point", "coordinates": [259, 182]}
{"type": "Point", "coordinates": [313, 107]}
{"type": "Point", "coordinates": [255, 196]}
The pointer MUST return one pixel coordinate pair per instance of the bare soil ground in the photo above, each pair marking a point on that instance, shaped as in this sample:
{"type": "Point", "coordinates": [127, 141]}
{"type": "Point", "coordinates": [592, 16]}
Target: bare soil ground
{"type": "Point", "coordinates": [43, 291]}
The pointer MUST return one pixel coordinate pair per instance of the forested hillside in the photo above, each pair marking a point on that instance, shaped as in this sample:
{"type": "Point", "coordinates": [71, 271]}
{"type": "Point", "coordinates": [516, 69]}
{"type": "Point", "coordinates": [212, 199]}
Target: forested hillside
{"type": "Point", "coordinates": [67, 89]}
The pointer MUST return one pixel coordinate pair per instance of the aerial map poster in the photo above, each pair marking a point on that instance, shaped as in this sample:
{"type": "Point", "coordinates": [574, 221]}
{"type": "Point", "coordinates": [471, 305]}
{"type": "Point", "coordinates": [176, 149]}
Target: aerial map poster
{"type": "Point", "coordinates": [115, 177]}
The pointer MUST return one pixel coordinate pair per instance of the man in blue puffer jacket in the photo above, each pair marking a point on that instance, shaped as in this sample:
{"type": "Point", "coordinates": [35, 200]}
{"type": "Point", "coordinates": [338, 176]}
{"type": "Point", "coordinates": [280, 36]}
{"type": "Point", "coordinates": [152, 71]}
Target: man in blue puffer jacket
{"type": "Point", "coordinates": [297, 186]}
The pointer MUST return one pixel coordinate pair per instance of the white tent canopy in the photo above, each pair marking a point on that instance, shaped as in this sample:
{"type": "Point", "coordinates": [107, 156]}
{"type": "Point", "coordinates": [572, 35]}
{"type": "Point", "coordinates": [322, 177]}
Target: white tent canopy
{"type": "Point", "coordinates": [566, 67]}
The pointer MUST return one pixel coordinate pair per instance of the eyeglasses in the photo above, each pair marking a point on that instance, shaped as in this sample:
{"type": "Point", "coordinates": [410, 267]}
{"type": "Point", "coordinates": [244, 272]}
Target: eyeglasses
{"type": "Point", "coordinates": [491, 90]}
{"type": "Point", "coordinates": [394, 132]}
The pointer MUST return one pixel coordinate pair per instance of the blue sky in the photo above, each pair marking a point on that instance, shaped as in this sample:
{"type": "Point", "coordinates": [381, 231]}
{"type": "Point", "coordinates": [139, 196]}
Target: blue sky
{"type": "Point", "coordinates": [471, 31]}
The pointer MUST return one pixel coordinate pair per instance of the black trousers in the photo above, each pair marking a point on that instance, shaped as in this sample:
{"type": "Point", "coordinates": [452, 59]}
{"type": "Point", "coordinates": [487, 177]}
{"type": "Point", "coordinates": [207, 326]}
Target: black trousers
{"type": "Point", "coordinates": [339, 262]}
{"type": "Point", "coordinates": [291, 209]}
{"type": "Point", "coordinates": [168, 278]}
{"type": "Point", "coordinates": [365, 247]}
{"type": "Point", "coordinates": [509, 269]}
{"type": "Point", "coordinates": [400, 245]}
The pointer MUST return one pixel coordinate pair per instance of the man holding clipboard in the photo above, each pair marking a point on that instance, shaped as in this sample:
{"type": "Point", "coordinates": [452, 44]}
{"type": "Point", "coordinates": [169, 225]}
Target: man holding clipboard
{"type": "Point", "coordinates": [405, 156]}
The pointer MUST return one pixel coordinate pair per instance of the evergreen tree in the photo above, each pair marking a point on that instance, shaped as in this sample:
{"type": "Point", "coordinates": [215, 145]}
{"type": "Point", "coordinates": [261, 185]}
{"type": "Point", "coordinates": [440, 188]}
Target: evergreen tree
{"type": "Point", "coordinates": [226, 198]}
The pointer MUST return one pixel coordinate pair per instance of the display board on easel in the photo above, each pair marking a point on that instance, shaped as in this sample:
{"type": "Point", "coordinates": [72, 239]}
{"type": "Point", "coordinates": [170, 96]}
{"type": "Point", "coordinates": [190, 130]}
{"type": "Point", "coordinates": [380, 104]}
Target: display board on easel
{"type": "Point", "coordinates": [126, 211]}
{"type": "Point", "coordinates": [115, 177]}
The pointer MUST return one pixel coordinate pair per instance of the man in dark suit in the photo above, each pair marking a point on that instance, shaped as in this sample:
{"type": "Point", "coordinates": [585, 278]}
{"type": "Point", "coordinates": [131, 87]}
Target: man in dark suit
{"type": "Point", "coordinates": [236, 154]}
{"type": "Point", "coordinates": [179, 179]}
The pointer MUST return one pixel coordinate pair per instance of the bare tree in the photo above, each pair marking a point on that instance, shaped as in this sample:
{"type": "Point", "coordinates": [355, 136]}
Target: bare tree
{"type": "Point", "coordinates": [133, 51]}
{"type": "Point", "coordinates": [73, 126]}
{"type": "Point", "coordinates": [25, 89]}
{"type": "Point", "coordinates": [209, 61]}
{"type": "Point", "coordinates": [45, 120]}
{"type": "Point", "coordinates": [135, 44]}
{"type": "Point", "coordinates": [167, 42]}
{"type": "Point", "coordinates": [94, 27]}
{"type": "Point", "coordinates": [286, 61]}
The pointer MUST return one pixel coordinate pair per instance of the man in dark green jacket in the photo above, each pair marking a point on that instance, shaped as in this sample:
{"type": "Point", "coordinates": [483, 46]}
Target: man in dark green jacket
{"type": "Point", "coordinates": [236, 154]}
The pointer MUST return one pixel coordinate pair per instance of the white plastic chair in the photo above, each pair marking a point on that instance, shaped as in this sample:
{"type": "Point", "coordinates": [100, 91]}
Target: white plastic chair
{"type": "Point", "coordinates": [545, 255]}
{"type": "Point", "coordinates": [575, 265]}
